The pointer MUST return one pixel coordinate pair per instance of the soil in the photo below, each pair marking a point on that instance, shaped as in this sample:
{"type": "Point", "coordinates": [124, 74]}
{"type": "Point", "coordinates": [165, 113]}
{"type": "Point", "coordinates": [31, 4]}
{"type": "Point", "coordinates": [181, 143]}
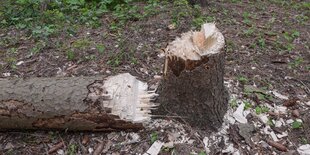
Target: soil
{"type": "Point", "coordinates": [257, 53]}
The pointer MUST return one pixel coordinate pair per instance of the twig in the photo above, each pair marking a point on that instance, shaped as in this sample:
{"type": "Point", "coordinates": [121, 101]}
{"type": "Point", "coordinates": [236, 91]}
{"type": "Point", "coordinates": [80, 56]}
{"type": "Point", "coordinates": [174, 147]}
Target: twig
{"type": "Point", "coordinates": [278, 146]}
{"type": "Point", "coordinates": [56, 147]}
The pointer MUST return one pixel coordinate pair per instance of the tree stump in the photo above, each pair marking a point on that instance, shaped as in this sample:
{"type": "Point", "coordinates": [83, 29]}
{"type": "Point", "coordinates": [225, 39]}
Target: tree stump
{"type": "Point", "coordinates": [193, 86]}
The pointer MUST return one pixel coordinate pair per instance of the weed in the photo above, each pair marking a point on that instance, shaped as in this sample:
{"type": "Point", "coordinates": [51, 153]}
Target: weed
{"type": "Point", "coordinates": [291, 36]}
{"type": "Point", "coordinates": [154, 137]}
{"type": "Point", "coordinates": [303, 140]}
{"type": "Point", "coordinates": [11, 61]}
{"type": "Point", "coordinates": [43, 31]}
{"type": "Point", "coordinates": [296, 125]}
{"type": "Point", "coordinates": [202, 153]}
{"type": "Point", "coordinates": [12, 50]}
{"type": "Point", "coordinates": [249, 32]}
{"type": "Point", "coordinates": [262, 96]}
{"type": "Point", "coordinates": [100, 48]}
{"type": "Point", "coordinates": [247, 105]}
{"type": "Point", "coordinates": [233, 103]}
{"type": "Point", "coordinates": [39, 46]}
{"type": "Point", "coordinates": [70, 55]}
{"type": "Point", "coordinates": [81, 44]}
{"type": "Point", "coordinates": [246, 18]}
{"type": "Point", "coordinates": [261, 109]}
{"type": "Point", "coordinates": [181, 11]}
{"type": "Point", "coordinates": [243, 80]}
{"type": "Point", "coordinates": [72, 150]}
{"type": "Point", "coordinates": [230, 46]}
{"type": "Point", "coordinates": [261, 42]}
{"type": "Point", "coordinates": [270, 122]}
{"type": "Point", "coordinates": [296, 62]}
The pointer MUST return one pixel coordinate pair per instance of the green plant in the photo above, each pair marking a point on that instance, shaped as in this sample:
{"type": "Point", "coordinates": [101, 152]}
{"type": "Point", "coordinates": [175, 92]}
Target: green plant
{"type": "Point", "coordinates": [90, 57]}
{"type": "Point", "coordinates": [202, 153]}
{"type": "Point", "coordinates": [249, 32]}
{"type": "Point", "coordinates": [39, 46]}
{"type": "Point", "coordinates": [262, 42]}
{"type": "Point", "coordinates": [70, 55]}
{"type": "Point", "coordinates": [43, 31]}
{"type": "Point", "coordinates": [296, 62]}
{"type": "Point", "coordinates": [81, 43]}
{"type": "Point", "coordinates": [11, 61]}
{"type": "Point", "coordinates": [303, 140]}
{"type": "Point", "coordinates": [181, 10]}
{"type": "Point", "coordinates": [233, 103]}
{"type": "Point", "coordinates": [72, 150]}
{"type": "Point", "coordinates": [246, 18]}
{"type": "Point", "coordinates": [12, 50]}
{"type": "Point", "coordinates": [270, 122]}
{"type": "Point", "coordinates": [243, 80]}
{"type": "Point", "coordinates": [296, 124]}
{"type": "Point", "coordinates": [247, 105]}
{"type": "Point", "coordinates": [261, 109]}
{"type": "Point", "coordinates": [154, 137]}
{"type": "Point", "coordinates": [100, 48]}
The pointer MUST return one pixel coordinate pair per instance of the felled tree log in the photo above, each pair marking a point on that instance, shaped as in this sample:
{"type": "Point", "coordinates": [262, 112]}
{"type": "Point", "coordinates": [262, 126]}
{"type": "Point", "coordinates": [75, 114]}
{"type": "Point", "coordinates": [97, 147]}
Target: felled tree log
{"type": "Point", "coordinates": [192, 89]}
{"type": "Point", "coordinates": [74, 103]}
{"type": "Point", "coordinates": [193, 86]}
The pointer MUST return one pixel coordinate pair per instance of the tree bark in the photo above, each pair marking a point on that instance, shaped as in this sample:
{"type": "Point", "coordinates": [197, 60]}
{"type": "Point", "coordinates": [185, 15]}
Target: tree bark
{"type": "Point", "coordinates": [193, 86]}
{"type": "Point", "coordinates": [74, 103]}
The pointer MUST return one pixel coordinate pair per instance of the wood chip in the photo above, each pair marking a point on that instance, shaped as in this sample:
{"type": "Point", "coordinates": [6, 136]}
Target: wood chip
{"type": "Point", "coordinates": [99, 149]}
{"type": "Point", "coordinates": [56, 147]}
{"type": "Point", "coordinates": [295, 113]}
{"type": "Point", "coordinates": [107, 146]}
{"type": "Point", "coordinates": [154, 149]}
{"type": "Point", "coordinates": [85, 139]}
{"type": "Point", "coordinates": [277, 145]}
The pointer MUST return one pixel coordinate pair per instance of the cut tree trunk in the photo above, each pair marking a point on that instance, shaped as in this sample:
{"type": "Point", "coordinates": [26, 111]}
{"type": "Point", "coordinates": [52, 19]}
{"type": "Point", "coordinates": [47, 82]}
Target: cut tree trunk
{"type": "Point", "coordinates": [74, 103]}
{"type": "Point", "coordinates": [193, 86]}
{"type": "Point", "coordinates": [192, 89]}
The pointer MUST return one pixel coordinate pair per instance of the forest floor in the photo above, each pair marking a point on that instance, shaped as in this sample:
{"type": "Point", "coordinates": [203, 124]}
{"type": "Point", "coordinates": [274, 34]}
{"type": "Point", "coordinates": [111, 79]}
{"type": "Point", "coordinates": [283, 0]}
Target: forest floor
{"type": "Point", "coordinates": [267, 72]}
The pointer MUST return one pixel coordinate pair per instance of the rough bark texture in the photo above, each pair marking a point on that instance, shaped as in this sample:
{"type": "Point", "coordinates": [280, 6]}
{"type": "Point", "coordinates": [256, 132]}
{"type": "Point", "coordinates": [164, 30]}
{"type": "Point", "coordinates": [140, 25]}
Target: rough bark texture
{"type": "Point", "coordinates": [68, 103]}
{"type": "Point", "coordinates": [194, 89]}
